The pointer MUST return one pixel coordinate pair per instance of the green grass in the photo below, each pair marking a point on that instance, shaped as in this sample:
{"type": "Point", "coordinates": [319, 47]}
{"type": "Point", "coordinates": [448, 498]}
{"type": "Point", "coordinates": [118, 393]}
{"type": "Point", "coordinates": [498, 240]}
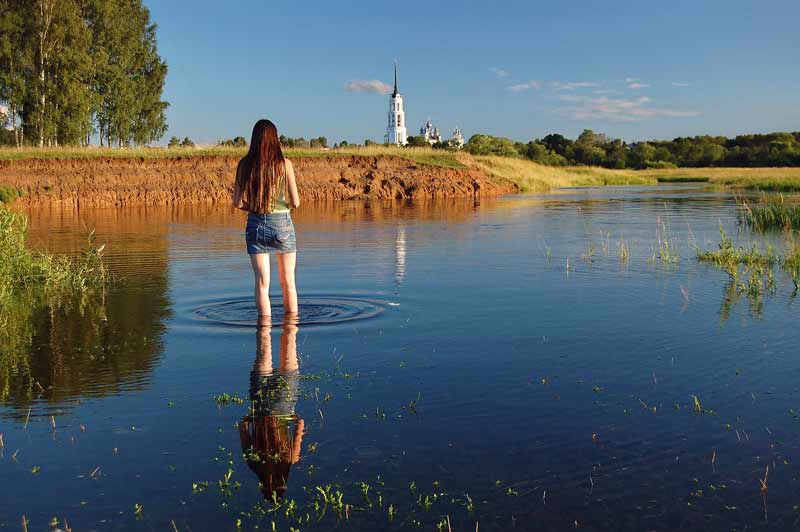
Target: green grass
{"type": "Point", "coordinates": [8, 194]}
{"type": "Point", "coordinates": [770, 216]}
{"type": "Point", "coordinates": [729, 257]}
{"type": "Point", "coordinates": [426, 156]}
{"type": "Point", "coordinates": [21, 267]}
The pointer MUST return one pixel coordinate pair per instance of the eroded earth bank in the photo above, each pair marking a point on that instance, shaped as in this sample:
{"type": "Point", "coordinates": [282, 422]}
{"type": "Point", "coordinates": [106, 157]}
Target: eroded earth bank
{"type": "Point", "coordinates": [162, 181]}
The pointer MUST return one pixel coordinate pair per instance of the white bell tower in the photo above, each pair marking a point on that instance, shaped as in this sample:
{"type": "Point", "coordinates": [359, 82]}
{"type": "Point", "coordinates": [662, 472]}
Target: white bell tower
{"type": "Point", "coordinates": [396, 128]}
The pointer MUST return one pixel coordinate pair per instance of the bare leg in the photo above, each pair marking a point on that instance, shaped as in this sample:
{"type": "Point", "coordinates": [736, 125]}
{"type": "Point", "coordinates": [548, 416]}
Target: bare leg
{"type": "Point", "coordinates": [260, 262]}
{"type": "Point", "coordinates": [288, 360]}
{"type": "Point", "coordinates": [286, 264]}
{"type": "Point", "coordinates": [263, 361]}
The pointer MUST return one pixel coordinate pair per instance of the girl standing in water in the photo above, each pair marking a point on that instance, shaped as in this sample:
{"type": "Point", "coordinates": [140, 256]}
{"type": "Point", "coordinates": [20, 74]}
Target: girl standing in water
{"type": "Point", "coordinates": [266, 188]}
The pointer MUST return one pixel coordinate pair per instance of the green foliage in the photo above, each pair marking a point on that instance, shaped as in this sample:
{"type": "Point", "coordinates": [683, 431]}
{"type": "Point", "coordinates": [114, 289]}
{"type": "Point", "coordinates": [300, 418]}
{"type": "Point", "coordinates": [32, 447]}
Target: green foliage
{"type": "Point", "coordinates": [71, 68]}
{"type": "Point", "coordinates": [488, 145]}
{"type": "Point", "coordinates": [595, 149]}
{"type": "Point", "coordinates": [8, 194]}
{"type": "Point", "coordinates": [770, 216]}
{"type": "Point", "coordinates": [174, 142]}
{"type": "Point", "coordinates": [301, 142]}
{"type": "Point", "coordinates": [236, 142]}
{"type": "Point", "coordinates": [187, 143]}
{"type": "Point", "coordinates": [21, 267]}
{"type": "Point", "coordinates": [416, 142]}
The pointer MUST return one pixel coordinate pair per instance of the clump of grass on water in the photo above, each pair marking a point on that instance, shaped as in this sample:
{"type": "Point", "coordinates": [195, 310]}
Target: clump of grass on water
{"type": "Point", "coordinates": [758, 262]}
{"type": "Point", "coordinates": [21, 267]}
{"type": "Point", "coordinates": [770, 216]}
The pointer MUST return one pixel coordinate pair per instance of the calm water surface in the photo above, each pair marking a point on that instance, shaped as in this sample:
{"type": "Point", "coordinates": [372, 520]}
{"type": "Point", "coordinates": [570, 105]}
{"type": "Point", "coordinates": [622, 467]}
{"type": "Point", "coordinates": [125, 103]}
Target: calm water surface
{"type": "Point", "coordinates": [497, 363]}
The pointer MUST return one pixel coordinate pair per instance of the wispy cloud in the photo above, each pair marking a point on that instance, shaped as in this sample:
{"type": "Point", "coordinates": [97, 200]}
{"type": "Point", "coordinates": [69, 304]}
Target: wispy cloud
{"type": "Point", "coordinates": [572, 85]}
{"type": "Point", "coordinates": [604, 91]}
{"type": "Point", "coordinates": [500, 72]}
{"type": "Point", "coordinates": [616, 109]}
{"type": "Point", "coordinates": [636, 85]}
{"type": "Point", "coordinates": [531, 85]}
{"type": "Point", "coordinates": [631, 80]}
{"type": "Point", "coordinates": [679, 84]}
{"type": "Point", "coordinates": [368, 85]}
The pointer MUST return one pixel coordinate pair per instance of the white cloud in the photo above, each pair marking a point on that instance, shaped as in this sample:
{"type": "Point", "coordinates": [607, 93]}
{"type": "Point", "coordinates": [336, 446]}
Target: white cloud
{"type": "Point", "coordinates": [368, 85]}
{"type": "Point", "coordinates": [531, 85]}
{"type": "Point", "coordinates": [500, 72]}
{"type": "Point", "coordinates": [573, 85]}
{"type": "Point", "coordinates": [616, 109]}
{"type": "Point", "coordinates": [637, 85]}
{"type": "Point", "coordinates": [604, 91]}
{"type": "Point", "coordinates": [631, 80]}
{"type": "Point", "coordinates": [679, 84]}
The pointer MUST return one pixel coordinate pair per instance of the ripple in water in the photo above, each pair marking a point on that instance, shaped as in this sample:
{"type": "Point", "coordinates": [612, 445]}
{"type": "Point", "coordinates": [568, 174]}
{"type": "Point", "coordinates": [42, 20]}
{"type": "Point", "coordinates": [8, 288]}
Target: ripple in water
{"type": "Point", "coordinates": [319, 310]}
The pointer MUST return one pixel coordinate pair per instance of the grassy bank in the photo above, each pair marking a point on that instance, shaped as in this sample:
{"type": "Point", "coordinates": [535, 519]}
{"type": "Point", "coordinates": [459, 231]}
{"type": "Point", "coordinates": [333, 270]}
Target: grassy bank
{"type": "Point", "coordinates": [420, 155]}
{"type": "Point", "coordinates": [529, 176]}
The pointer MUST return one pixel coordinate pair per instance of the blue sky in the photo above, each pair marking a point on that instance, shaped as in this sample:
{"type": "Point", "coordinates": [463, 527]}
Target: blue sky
{"type": "Point", "coordinates": [520, 69]}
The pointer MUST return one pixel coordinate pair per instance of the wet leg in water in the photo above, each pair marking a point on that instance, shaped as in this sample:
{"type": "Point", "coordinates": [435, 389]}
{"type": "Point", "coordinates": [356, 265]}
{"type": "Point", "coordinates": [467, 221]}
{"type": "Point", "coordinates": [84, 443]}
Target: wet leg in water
{"type": "Point", "coordinates": [260, 262]}
{"type": "Point", "coordinates": [286, 264]}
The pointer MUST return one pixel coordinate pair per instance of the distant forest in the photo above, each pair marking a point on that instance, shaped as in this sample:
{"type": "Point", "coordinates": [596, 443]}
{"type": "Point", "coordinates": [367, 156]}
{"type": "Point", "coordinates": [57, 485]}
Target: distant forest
{"type": "Point", "coordinates": [590, 148]}
{"type": "Point", "coordinates": [70, 69]}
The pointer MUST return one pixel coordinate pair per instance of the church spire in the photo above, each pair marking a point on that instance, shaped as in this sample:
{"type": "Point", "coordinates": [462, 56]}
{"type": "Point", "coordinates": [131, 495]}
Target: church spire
{"type": "Point", "coordinates": [395, 80]}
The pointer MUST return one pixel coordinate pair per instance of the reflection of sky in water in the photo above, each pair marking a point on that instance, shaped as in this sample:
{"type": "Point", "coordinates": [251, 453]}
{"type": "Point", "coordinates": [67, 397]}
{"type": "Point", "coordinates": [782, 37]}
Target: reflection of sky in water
{"type": "Point", "coordinates": [492, 363]}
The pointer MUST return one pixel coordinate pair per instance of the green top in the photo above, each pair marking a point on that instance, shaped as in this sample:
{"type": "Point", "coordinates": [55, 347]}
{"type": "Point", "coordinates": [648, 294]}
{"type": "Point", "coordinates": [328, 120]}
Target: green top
{"type": "Point", "coordinates": [280, 203]}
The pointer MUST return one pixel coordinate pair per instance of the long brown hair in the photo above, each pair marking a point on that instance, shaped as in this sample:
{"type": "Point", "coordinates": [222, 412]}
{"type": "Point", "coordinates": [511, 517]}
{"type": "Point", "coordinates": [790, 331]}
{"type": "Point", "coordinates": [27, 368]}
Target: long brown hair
{"type": "Point", "coordinates": [261, 174]}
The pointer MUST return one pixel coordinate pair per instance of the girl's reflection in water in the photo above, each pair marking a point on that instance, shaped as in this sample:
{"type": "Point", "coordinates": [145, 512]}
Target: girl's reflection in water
{"type": "Point", "coordinates": [268, 441]}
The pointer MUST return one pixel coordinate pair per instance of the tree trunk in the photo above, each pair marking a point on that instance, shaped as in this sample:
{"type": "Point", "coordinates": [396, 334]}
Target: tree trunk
{"type": "Point", "coordinates": [13, 109]}
{"type": "Point", "coordinates": [46, 13]}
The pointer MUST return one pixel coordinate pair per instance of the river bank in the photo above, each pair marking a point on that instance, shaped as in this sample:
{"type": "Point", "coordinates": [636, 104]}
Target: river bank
{"type": "Point", "coordinates": [115, 181]}
{"type": "Point", "coordinates": [159, 176]}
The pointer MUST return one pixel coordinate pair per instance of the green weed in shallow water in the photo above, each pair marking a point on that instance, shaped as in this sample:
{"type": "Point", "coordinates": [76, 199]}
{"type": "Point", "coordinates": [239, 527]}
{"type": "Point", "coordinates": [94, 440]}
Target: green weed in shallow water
{"type": "Point", "coordinates": [770, 216]}
{"type": "Point", "coordinates": [20, 267]}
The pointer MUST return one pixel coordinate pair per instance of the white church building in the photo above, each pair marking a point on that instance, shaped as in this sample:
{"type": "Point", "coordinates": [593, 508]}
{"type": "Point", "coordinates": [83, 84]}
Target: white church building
{"type": "Point", "coordinates": [396, 129]}
{"type": "Point", "coordinates": [396, 132]}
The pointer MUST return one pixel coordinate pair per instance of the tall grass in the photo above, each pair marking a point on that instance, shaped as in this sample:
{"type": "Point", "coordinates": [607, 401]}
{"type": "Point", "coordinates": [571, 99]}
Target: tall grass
{"type": "Point", "coordinates": [533, 177]}
{"type": "Point", "coordinates": [427, 156]}
{"type": "Point", "coordinates": [770, 216]}
{"type": "Point", "coordinates": [20, 267]}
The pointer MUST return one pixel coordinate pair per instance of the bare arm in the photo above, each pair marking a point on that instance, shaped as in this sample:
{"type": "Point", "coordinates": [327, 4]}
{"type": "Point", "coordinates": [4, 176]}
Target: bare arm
{"type": "Point", "coordinates": [291, 186]}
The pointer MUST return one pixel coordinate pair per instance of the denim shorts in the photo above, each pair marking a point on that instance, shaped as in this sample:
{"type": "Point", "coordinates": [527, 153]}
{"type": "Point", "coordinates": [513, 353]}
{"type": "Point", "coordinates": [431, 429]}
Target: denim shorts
{"type": "Point", "coordinates": [270, 233]}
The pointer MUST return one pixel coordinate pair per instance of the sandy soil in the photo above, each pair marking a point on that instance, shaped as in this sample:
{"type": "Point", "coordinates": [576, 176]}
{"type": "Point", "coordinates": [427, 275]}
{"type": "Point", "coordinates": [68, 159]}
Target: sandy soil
{"type": "Point", "coordinates": [139, 181]}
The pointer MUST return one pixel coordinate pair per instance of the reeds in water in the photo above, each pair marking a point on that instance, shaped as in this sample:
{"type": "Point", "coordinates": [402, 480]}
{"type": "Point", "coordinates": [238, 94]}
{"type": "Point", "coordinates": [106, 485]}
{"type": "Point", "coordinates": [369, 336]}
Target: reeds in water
{"type": "Point", "coordinates": [764, 217]}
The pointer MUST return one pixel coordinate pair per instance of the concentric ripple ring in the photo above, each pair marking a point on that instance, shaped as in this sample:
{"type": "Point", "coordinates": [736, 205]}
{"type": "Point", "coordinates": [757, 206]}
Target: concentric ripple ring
{"type": "Point", "coordinates": [316, 310]}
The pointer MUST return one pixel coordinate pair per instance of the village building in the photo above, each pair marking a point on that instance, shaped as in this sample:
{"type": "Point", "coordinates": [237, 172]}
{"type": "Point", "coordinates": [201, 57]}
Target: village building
{"type": "Point", "coordinates": [457, 141]}
{"type": "Point", "coordinates": [430, 133]}
{"type": "Point", "coordinates": [396, 128]}
{"type": "Point", "coordinates": [396, 132]}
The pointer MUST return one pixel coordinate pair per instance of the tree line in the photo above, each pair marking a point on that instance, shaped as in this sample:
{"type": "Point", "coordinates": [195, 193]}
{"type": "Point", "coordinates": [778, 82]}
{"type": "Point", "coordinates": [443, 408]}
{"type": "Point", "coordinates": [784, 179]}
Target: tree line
{"type": "Point", "coordinates": [71, 69]}
{"type": "Point", "coordinates": [596, 149]}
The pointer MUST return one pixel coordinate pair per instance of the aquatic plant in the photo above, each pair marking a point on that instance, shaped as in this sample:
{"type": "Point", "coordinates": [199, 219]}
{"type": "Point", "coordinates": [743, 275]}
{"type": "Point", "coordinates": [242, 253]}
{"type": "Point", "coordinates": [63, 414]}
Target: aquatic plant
{"type": "Point", "coordinates": [622, 251]}
{"type": "Point", "coordinates": [21, 267]}
{"type": "Point", "coordinates": [763, 217]}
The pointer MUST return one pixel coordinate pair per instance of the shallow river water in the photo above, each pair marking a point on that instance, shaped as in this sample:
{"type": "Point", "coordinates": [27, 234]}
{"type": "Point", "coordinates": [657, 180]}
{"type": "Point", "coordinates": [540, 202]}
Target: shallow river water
{"type": "Point", "coordinates": [528, 362]}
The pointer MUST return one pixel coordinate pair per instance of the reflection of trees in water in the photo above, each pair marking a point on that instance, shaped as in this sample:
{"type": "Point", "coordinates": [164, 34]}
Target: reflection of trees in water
{"type": "Point", "coordinates": [56, 348]}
